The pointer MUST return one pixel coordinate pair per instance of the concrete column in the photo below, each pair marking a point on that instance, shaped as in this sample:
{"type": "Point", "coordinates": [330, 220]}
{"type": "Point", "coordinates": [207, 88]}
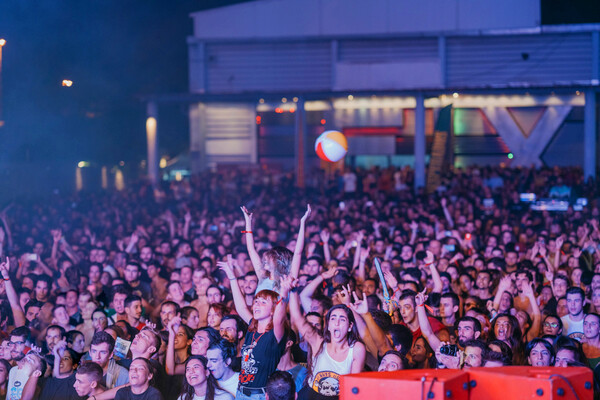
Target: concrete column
{"type": "Point", "coordinates": [152, 141]}
{"type": "Point", "coordinates": [300, 140]}
{"type": "Point", "coordinates": [419, 141]}
{"type": "Point", "coordinates": [589, 135]}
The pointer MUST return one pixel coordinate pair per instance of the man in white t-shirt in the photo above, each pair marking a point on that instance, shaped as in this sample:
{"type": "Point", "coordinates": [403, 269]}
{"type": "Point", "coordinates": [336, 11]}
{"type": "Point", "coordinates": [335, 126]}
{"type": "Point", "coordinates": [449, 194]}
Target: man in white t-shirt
{"type": "Point", "coordinates": [220, 356]}
{"type": "Point", "coordinates": [19, 374]}
{"type": "Point", "coordinates": [573, 321]}
{"type": "Point", "coordinates": [349, 181]}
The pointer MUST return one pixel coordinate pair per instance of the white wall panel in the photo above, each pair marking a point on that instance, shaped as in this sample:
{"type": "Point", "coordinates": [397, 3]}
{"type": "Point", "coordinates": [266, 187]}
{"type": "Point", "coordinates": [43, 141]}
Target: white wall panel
{"type": "Point", "coordinates": [505, 60]}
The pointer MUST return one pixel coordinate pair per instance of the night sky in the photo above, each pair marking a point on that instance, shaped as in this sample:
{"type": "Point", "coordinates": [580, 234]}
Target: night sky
{"type": "Point", "coordinates": [115, 51]}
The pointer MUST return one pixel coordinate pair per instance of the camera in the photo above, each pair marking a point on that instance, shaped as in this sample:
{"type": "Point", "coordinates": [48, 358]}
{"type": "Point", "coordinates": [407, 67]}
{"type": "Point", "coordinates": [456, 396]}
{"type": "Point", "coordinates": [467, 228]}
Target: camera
{"type": "Point", "coordinates": [449, 349]}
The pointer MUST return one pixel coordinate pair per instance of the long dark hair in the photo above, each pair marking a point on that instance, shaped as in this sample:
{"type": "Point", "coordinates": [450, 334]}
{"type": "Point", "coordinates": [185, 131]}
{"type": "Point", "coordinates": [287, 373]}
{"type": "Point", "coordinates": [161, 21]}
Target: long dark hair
{"type": "Point", "coordinates": [212, 385]}
{"type": "Point", "coordinates": [353, 336]}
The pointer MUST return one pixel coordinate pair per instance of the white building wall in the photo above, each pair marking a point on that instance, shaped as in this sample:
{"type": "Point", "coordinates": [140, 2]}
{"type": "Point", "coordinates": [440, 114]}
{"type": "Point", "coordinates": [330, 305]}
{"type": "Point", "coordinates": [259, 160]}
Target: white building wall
{"type": "Point", "coordinates": [277, 19]}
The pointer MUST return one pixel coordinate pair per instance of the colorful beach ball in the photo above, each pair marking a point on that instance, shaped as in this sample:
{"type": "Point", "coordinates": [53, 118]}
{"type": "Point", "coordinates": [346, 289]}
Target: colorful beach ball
{"type": "Point", "coordinates": [331, 146]}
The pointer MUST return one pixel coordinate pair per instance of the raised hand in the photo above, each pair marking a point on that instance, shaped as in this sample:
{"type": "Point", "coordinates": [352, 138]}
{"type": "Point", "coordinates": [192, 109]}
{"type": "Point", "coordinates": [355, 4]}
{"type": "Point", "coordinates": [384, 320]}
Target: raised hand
{"type": "Point", "coordinates": [330, 273]}
{"type": "Point", "coordinates": [443, 202]}
{"type": "Point", "coordinates": [364, 254]}
{"type": "Point", "coordinates": [306, 214]}
{"type": "Point", "coordinates": [360, 306]}
{"type": "Point", "coordinates": [56, 235]}
{"type": "Point", "coordinates": [5, 269]}
{"type": "Point", "coordinates": [135, 237]}
{"type": "Point", "coordinates": [247, 214]}
{"type": "Point", "coordinates": [429, 258]}
{"type": "Point", "coordinates": [187, 217]}
{"type": "Point", "coordinates": [421, 298]}
{"type": "Point", "coordinates": [414, 226]}
{"type": "Point", "coordinates": [324, 237]}
{"type": "Point", "coordinates": [390, 279]}
{"type": "Point", "coordinates": [528, 291]}
{"type": "Point", "coordinates": [227, 266]}
{"type": "Point", "coordinates": [173, 325]}
{"type": "Point", "coordinates": [287, 283]}
{"type": "Point", "coordinates": [344, 295]}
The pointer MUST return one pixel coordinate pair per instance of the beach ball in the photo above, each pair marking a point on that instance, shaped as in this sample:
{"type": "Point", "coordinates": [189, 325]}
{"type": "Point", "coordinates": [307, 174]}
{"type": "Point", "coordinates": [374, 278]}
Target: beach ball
{"type": "Point", "coordinates": [331, 146]}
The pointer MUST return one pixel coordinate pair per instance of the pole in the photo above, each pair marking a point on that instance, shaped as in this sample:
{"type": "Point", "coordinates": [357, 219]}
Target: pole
{"type": "Point", "coordinates": [300, 152]}
{"type": "Point", "coordinates": [419, 141]}
{"type": "Point", "coordinates": [589, 135]}
{"type": "Point", "coordinates": [152, 141]}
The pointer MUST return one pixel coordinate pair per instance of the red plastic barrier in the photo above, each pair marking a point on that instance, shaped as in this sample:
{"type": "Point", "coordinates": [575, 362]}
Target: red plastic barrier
{"type": "Point", "coordinates": [508, 383]}
{"type": "Point", "coordinates": [443, 384]}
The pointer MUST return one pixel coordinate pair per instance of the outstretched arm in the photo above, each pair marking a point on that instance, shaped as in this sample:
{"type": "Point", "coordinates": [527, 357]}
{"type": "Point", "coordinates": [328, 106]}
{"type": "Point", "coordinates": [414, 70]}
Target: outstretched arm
{"type": "Point", "coordinates": [295, 269]}
{"type": "Point", "coordinates": [309, 290]}
{"type": "Point", "coordinates": [304, 328]}
{"type": "Point", "coordinates": [238, 297]}
{"type": "Point", "coordinates": [11, 293]}
{"type": "Point", "coordinates": [433, 340]}
{"type": "Point", "coordinates": [252, 253]}
{"type": "Point", "coordinates": [435, 275]}
{"type": "Point", "coordinates": [361, 307]}
{"type": "Point", "coordinates": [171, 368]}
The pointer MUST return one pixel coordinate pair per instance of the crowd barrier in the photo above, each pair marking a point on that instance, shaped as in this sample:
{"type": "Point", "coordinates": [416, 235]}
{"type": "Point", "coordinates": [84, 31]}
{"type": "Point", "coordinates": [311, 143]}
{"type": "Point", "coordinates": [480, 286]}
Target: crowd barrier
{"type": "Point", "coordinates": [502, 383]}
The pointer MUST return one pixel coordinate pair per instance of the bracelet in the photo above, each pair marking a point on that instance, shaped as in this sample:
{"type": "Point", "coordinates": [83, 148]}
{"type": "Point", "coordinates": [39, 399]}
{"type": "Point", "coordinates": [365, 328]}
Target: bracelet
{"type": "Point", "coordinates": [421, 305]}
{"type": "Point", "coordinates": [232, 279]}
{"type": "Point", "coordinates": [246, 231]}
{"type": "Point", "coordinates": [6, 279]}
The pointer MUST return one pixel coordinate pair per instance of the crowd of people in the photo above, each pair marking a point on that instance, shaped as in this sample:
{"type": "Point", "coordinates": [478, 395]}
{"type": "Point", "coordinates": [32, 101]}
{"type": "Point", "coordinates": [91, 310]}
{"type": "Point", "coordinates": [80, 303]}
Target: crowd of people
{"type": "Point", "coordinates": [237, 284]}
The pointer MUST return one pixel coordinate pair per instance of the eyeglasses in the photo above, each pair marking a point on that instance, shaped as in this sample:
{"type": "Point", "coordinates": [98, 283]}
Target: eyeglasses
{"type": "Point", "coordinates": [11, 344]}
{"type": "Point", "coordinates": [550, 324]}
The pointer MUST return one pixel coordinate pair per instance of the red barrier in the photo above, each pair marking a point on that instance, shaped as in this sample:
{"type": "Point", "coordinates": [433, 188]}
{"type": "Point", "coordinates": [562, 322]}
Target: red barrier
{"type": "Point", "coordinates": [507, 383]}
{"type": "Point", "coordinates": [408, 384]}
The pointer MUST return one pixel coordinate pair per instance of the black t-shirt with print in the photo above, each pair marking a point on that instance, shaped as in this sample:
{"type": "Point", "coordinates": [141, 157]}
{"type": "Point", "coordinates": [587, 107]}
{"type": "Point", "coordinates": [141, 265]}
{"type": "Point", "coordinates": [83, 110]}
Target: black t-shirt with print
{"type": "Point", "coordinates": [260, 355]}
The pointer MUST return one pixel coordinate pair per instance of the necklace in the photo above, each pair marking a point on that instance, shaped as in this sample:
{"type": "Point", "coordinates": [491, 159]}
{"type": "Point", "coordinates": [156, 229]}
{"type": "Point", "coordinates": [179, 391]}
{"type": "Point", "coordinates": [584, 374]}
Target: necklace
{"type": "Point", "coordinates": [255, 341]}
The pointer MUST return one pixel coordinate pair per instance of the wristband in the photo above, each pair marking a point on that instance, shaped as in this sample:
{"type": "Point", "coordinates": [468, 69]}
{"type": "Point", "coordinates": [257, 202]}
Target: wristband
{"type": "Point", "coordinates": [246, 231]}
{"type": "Point", "coordinates": [232, 279]}
{"type": "Point", "coordinates": [421, 305]}
{"type": "Point", "coordinates": [6, 279]}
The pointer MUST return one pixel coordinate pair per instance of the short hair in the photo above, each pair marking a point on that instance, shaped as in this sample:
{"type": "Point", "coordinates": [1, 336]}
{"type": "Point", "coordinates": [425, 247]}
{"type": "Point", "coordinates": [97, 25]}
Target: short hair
{"type": "Point", "coordinates": [133, 263]}
{"type": "Point", "coordinates": [281, 386]}
{"type": "Point", "coordinates": [155, 337]}
{"type": "Point", "coordinates": [33, 303]}
{"type": "Point", "coordinates": [526, 273]}
{"type": "Point", "coordinates": [453, 297]}
{"type": "Point", "coordinates": [479, 344]}
{"type": "Point", "coordinates": [213, 334]}
{"type": "Point", "coordinates": [132, 298]}
{"type": "Point", "coordinates": [60, 329]}
{"type": "Point", "coordinates": [171, 303]}
{"type": "Point", "coordinates": [91, 369]}
{"type": "Point", "coordinates": [382, 319]}
{"type": "Point", "coordinates": [240, 324]}
{"type": "Point", "coordinates": [120, 289]}
{"type": "Point", "coordinates": [408, 294]}
{"type": "Point", "coordinates": [227, 348]}
{"type": "Point", "coordinates": [44, 278]}
{"type": "Point", "coordinates": [401, 336]}
{"type": "Point", "coordinates": [576, 290]}
{"type": "Point", "coordinates": [22, 331]}
{"type": "Point", "coordinates": [398, 354]}
{"type": "Point", "coordinates": [475, 321]}
{"type": "Point", "coordinates": [325, 302]}
{"type": "Point", "coordinates": [216, 287]}
{"type": "Point", "coordinates": [494, 356]}
{"type": "Point", "coordinates": [103, 337]}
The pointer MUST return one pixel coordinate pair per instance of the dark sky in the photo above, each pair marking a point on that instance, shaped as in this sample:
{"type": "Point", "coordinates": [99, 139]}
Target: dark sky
{"type": "Point", "coordinates": [115, 51]}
